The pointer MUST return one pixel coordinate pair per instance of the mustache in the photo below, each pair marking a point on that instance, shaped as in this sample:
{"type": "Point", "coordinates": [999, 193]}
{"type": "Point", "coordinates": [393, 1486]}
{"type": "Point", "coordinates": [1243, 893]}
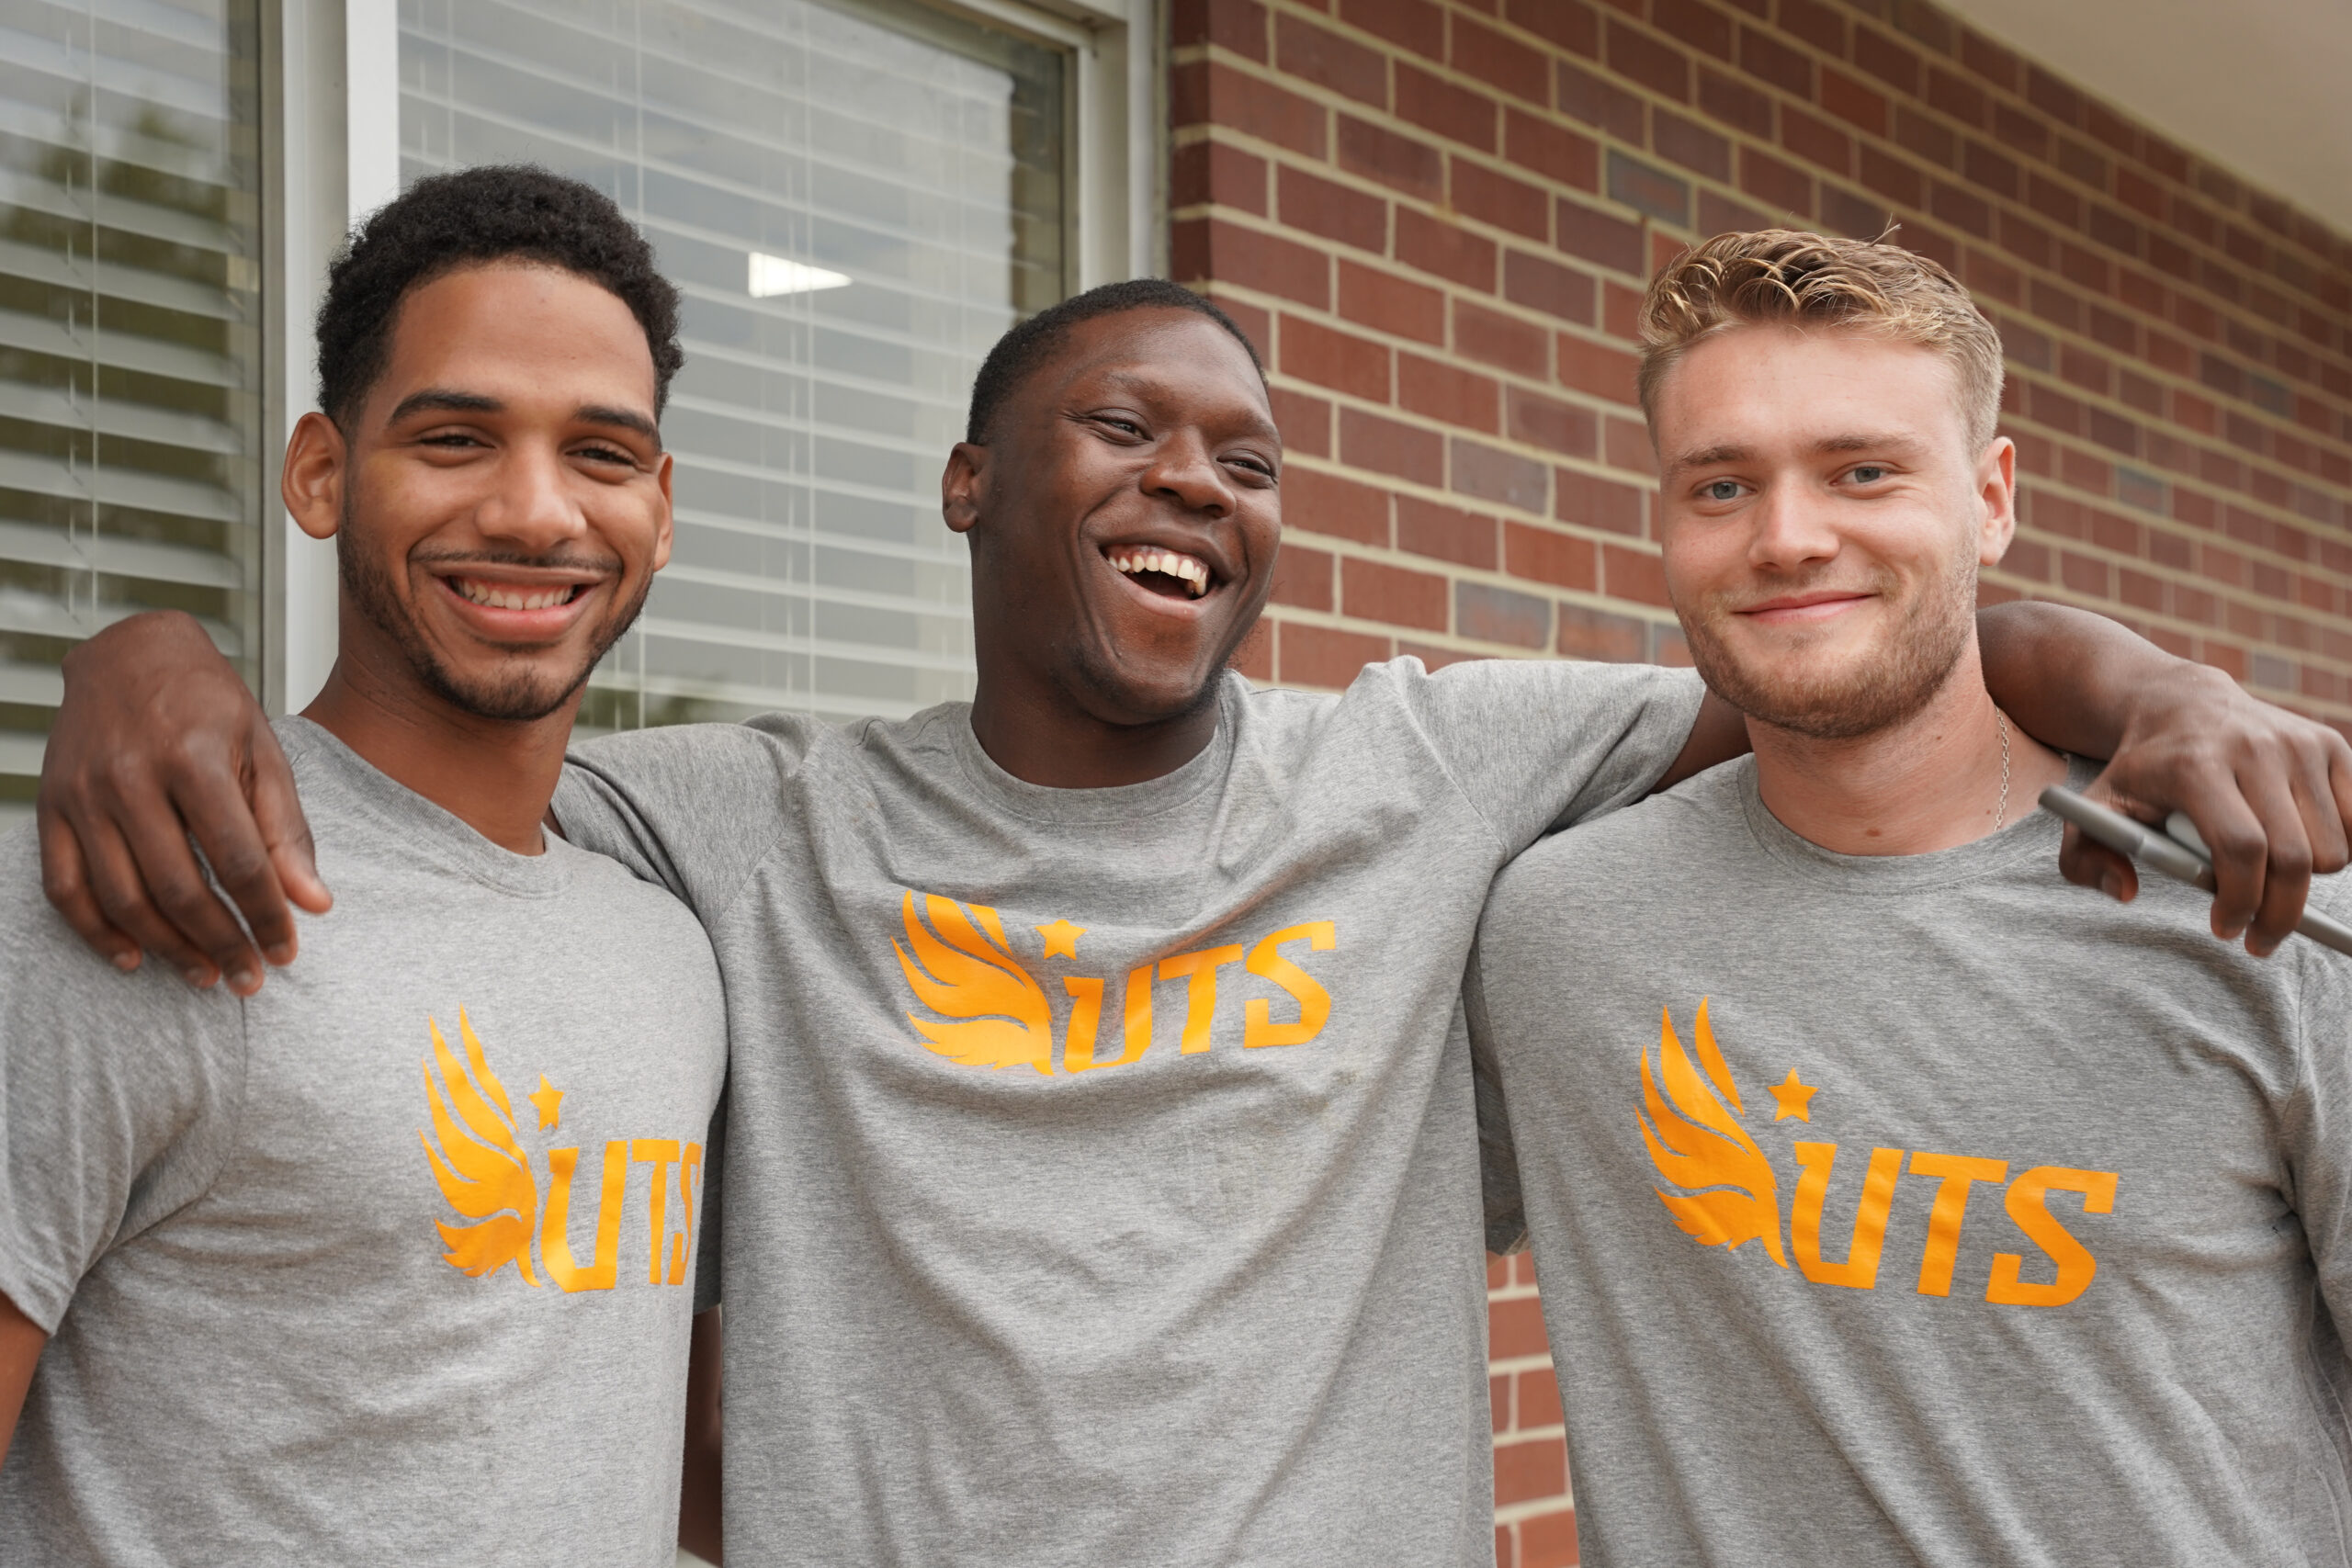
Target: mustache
{"type": "Point", "coordinates": [556, 560]}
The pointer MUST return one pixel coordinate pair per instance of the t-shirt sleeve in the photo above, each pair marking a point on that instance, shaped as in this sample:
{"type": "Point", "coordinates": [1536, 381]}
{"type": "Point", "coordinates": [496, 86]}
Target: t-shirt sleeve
{"type": "Point", "coordinates": [118, 1095]}
{"type": "Point", "coordinates": [1538, 744]}
{"type": "Point", "coordinates": [692, 807]}
{"type": "Point", "coordinates": [2316, 1130]}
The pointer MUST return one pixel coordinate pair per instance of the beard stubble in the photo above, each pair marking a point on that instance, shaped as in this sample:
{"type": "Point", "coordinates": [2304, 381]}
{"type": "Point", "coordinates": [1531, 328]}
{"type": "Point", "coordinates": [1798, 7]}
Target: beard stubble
{"type": "Point", "coordinates": [1861, 697]}
{"type": "Point", "coordinates": [518, 693]}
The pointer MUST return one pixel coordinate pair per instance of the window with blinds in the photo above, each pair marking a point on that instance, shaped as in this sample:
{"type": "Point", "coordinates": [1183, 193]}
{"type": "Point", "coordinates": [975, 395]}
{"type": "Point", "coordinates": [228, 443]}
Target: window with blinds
{"type": "Point", "coordinates": [130, 365]}
{"type": "Point", "coordinates": [856, 202]}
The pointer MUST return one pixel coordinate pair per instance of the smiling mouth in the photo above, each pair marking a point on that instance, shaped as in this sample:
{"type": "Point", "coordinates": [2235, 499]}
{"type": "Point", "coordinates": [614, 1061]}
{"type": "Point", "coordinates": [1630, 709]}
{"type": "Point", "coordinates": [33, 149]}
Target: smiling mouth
{"type": "Point", "coordinates": [1172, 574]}
{"type": "Point", "coordinates": [493, 595]}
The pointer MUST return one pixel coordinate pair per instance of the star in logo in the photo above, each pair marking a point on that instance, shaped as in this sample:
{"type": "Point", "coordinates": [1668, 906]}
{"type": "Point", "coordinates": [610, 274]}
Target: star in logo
{"type": "Point", "coordinates": [1793, 1098]}
{"type": "Point", "coordinates": [547, 1098]}
{"type": "Point", "coordinates": [1061, 938]}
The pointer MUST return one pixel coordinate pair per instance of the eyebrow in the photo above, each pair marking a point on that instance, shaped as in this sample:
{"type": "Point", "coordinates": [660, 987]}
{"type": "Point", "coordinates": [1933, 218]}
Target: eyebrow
{"type": "Point", "coordinates": [1861, 441]}
{"type": "Point", "coordinates": [620, 419]}
{"type": "Point", "coordinates": [444, 400]}
{"type": "Point", "coordinates": [1143, 385]}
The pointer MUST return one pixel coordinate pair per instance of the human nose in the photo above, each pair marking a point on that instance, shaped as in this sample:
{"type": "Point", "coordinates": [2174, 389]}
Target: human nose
{"type": "Point", "coordinates": [1185, 472]}
{"type": "Point", "coordinates": [1791, 532]}
{"type": "Point", "coordinates": [532, 506]}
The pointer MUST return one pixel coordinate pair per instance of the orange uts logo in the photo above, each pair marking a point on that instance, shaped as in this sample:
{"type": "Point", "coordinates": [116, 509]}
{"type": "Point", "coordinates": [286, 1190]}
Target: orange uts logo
{"type": "Point", "coordinates": [484, 1173]}
{"type": "Point", "coordinates": [1698, 1140]}
{"type": "Point", "coordinates": [997, 1014]}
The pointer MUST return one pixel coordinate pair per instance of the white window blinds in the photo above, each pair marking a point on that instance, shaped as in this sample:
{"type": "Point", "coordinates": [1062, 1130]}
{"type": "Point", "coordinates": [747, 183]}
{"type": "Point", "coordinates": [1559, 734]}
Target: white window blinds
{"type": "Point", "coordinates": [130, 348]}
{"type": "Point", "coordinates": [855, 202]}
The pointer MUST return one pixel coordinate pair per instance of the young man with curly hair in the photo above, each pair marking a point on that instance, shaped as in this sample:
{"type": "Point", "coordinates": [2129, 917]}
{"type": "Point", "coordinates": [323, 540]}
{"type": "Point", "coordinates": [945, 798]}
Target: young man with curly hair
{"type": "Point", "coordinates": [395, 1261]}
{"type": "Point", "coordinates": [1896, 1203]}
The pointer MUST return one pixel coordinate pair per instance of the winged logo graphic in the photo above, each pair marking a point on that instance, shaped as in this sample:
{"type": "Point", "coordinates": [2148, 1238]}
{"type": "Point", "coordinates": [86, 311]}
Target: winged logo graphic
{"type": "Point", "coordinates": [966, 971]}
{"type": "Point", "coordinates": [480, 1166]}
{"type": "Point", "coordinates": [1697, 1143]}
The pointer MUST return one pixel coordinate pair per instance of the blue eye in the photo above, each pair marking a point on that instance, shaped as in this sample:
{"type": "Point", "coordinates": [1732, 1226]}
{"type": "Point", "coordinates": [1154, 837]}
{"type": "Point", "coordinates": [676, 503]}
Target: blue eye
{"type": "Point", "coordinates": [1868, 474]}
{"type": "Point", "coordinates": [1724, 489]}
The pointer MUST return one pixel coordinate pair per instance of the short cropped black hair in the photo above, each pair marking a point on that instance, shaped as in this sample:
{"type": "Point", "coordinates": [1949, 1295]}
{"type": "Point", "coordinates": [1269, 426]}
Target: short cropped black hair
{"type": "Point", "coordinates": [1020, 352]}
{"type": "Point", "coordinates": [498, 212]}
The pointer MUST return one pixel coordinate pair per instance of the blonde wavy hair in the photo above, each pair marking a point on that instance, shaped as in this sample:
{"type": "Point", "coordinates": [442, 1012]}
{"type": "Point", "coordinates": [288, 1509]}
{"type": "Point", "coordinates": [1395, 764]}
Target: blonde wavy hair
{"type": "Point", "coordinates": [1783, 278]}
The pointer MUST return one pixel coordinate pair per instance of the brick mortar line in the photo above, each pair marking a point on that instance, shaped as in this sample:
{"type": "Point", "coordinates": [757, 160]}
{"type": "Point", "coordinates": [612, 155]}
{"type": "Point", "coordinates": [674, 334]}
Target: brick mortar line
{"type": "Point", "coordinates": [1537, 1508]}
{"type": "Point", "coordinates": [2341, 578]}
{"type": "Point", "coordinates": [2018, 370]}
{"type": "Point", "coordinates": [1342, 547]}
{"type": "Point", "coordinates": [2025, 375]}
{"type": "Point", "coordinates": [1274, 75]}
{"type": "Point", "coordinates": [1276, 227]}
{"type": "Point", "coordinates": [2191, 436]}
{"type": "Point", "coordinates": [2189, 188]}
{"type": "Point", "coordinates": [2171, 621]}
{"type": "Point", "coordinates": [2052, 484]}
{"type": "Point", "coordinates": [1865, 77]}
{"type": "Point", "coordinates": [1553, 51]}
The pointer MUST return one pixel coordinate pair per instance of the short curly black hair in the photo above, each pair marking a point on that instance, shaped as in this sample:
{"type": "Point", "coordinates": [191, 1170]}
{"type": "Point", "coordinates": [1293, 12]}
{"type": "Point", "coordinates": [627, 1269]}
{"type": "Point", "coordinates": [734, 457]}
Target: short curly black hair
{"type": "Point", "coordinates": [1019, 352]}
{"type": "Point", "coordinates": [497, 212]}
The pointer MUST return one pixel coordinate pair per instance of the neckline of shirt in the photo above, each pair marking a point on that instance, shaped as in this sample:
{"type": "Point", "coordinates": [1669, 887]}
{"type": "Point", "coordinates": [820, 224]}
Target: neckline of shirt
{"type": "Point", "coordinates": [1117, 803]}
{"type": "Point", "coordinates": [2033, 834]}
{"type": "Point", "coordinates": [421, 825]}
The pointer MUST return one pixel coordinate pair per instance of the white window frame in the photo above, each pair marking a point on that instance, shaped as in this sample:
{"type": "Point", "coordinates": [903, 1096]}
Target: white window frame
{"type": "Point", "coordinates": [331, 148]}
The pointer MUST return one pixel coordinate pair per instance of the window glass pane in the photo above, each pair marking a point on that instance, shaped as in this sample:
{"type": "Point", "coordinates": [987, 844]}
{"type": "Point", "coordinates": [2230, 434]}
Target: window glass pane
{"type": "Point", "coordinates": [855, 201]}
{"type": "Point", "coordinates": [130, 345]}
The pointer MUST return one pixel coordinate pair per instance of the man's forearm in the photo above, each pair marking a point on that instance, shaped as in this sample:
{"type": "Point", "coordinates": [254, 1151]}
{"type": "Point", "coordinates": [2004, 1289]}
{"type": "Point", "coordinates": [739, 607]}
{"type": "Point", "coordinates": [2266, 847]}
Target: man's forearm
{"type": "Point", "coordinates": [2072, 679]}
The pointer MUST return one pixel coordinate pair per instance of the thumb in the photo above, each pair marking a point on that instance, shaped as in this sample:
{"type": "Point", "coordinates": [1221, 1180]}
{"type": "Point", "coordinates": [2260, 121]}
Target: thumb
{"type": "Point", "coordinates": [284, 831]}
{"type": "Point", "coordinates": [2087, 864]}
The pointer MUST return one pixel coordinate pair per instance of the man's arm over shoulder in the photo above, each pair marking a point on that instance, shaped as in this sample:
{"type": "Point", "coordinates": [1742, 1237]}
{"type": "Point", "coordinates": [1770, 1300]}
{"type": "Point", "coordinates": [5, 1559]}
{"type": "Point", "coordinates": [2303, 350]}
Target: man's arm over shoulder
{"type": "Point", "coordinates": [1538, 743]}
{"type": "Point", "coordinates": [691, 807]}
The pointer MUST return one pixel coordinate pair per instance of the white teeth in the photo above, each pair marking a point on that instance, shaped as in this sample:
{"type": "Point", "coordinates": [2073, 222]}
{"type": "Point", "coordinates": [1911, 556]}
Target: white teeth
{"type": "Point", "coordinates": [1194, 573]}
{"type": "Point", "coordinates": [496, 598]}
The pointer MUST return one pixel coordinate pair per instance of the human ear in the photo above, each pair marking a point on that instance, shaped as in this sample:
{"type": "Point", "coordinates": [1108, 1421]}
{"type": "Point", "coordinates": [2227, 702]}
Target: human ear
{"type": "Point", "coordinates": [317, 468]}
{"type": "Point", "coordinates": [661, 538]}
{"type": "Point", "coordinates": [961, 484]}
{"type": "Point", "coordinates": [1996, 486]}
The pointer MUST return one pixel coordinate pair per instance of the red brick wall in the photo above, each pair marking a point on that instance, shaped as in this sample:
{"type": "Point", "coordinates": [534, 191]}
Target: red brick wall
{"type": "Point", "coordinates": [1436, 217]}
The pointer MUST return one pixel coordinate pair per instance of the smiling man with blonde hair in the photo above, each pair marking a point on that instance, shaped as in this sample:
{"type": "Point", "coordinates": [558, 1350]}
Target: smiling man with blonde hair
{"type": "Point", "coordinates": [1893, 1200]}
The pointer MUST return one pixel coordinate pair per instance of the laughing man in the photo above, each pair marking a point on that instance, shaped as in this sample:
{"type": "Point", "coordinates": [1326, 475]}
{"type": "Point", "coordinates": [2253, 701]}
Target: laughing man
{"type": "Point", "coordinates": [1895, 1202]}
{"type": "Point", "coordinates": [1103, 1176]}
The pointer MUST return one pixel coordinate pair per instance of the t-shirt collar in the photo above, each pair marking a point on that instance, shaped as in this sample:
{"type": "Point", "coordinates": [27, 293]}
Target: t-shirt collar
{"type": "Point", "coordinates": [414, 825]}
{"type": "Point", "coordinates": [1042, 803]}
{"type": "Point", "coordinates": [2031, 834]}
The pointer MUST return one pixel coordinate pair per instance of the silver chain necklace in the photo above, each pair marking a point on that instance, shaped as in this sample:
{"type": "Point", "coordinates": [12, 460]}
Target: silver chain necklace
{"type": "Point", "coordinates": [2001, 814]}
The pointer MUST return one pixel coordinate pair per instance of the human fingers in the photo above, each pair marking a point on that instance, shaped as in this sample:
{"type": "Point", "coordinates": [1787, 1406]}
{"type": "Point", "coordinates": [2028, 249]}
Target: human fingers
{"type": "Point", "coordinates": [278, 812]}
{"type": "Point", "coordinates": [2202, 786]}
{"type": "Point", "coordinates": [2315, 770]}
{"type": "Point", "coordinates": [65, 883]}
{"type": "Point", "coordinates": [141, 801]}
{"type": "Point", "coordinates": [2287, 855]}
{"type": "Point", "coordinates": [120, 889]}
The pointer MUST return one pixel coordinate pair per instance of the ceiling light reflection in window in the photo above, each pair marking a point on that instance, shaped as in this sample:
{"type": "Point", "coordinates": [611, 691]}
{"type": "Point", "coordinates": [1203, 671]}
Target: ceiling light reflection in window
{"type": "Point", "coordinates": [772, 276]}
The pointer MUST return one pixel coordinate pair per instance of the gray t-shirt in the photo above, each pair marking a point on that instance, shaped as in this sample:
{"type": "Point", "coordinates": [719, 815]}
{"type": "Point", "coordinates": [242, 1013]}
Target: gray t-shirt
{"type": "Point", "coordinates": [1923, 1209]}
{"type": "Point", "coordinates": [1102, 1188]}
{"type": "Point", "coordinates": [391, 1263]}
